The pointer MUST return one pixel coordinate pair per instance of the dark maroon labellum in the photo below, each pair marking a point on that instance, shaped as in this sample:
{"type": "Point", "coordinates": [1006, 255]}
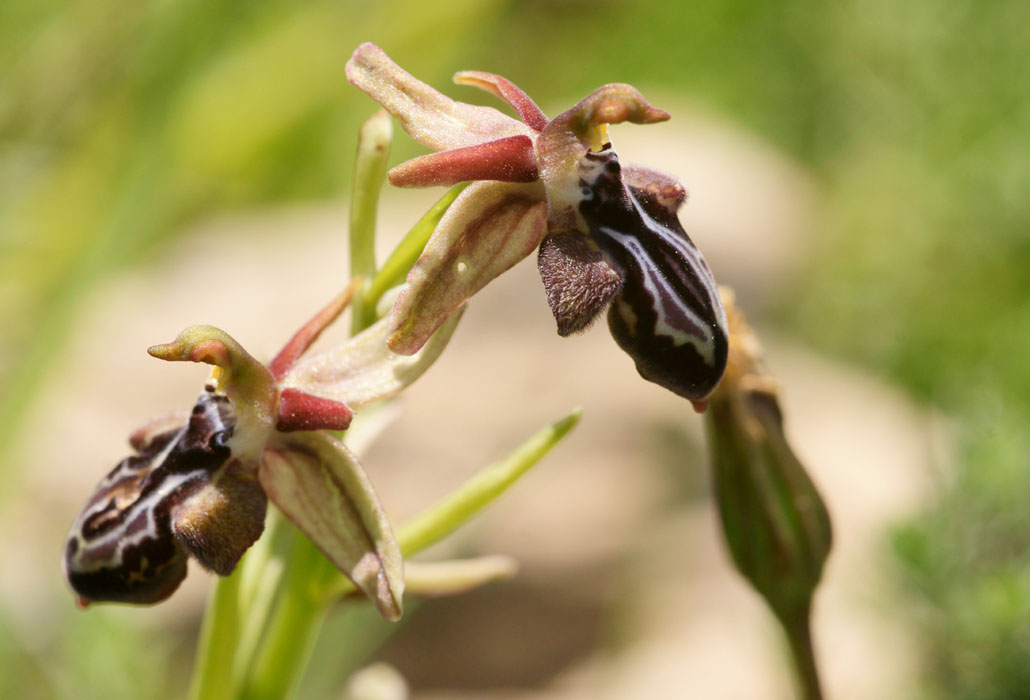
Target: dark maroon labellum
{"type": "Point", "coordinates": [122, 547]}
{"type": "Point", "coordinates": [667, 315]}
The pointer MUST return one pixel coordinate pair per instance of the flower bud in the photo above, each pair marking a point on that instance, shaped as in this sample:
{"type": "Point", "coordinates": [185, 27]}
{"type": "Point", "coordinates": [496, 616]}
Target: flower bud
{"type": "Point", "coordinates": [776, 524]}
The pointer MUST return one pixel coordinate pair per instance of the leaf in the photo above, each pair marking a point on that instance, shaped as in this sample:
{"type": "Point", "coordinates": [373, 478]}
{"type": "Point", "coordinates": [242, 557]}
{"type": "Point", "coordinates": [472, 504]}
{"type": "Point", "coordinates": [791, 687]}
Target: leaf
{"type": "Point", "coordinates": [441, 578]}
{"type": "Point", "coordinates": [447, 515]}
{"type": "Point", "coordinates": [466, 501]}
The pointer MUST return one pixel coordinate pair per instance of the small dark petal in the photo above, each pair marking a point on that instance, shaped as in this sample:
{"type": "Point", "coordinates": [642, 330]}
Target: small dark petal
{"type": "Point", "coordinates": [578, 279]}
{"type": "Point", "coordinates": [157, 433]}
{"type": "Point", "coordinates": [660, 194]}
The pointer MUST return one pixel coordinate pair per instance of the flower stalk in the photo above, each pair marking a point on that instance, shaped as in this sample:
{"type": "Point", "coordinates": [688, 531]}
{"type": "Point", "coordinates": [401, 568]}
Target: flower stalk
{"type": "Point", "coordinates": [294, 625]}
{"type": "Point", "coordinates": [395, 267]}
{"type": "Point", "coordinates": [213, 670]}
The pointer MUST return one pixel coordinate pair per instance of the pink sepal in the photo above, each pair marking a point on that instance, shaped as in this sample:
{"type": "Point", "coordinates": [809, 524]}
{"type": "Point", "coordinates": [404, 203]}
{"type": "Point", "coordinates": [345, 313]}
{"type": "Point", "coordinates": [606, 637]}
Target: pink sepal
{"type": "Point", "coordinates": [508, 160]}
{"type": "Point", "coordinates": [431, 118]}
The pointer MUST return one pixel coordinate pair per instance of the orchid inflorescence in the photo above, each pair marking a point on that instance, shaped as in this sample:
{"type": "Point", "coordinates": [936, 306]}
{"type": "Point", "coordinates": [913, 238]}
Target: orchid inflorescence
{"type": "Point", "coordinates": [608, 237]}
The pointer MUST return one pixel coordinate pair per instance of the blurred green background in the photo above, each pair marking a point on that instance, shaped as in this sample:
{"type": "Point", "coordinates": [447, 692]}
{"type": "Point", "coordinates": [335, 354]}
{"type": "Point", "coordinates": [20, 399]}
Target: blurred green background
{"type": "Point", "coordinates": [124, 122]}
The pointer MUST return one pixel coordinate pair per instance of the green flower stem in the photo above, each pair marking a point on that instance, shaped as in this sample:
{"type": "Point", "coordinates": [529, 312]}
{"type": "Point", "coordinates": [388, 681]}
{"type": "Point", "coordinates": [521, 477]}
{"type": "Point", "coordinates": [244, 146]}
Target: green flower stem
{"type": "Point", "coordinates": [799, 635]}
{"type": "Point", "coordinates": [235, 618]}
{"type": "Point", "coordinates": [374, 140]}
{"type": "Point", "coordinates": [212, 676]}
{"type": "Point", "coordinates": [257, 558]}
{"type": "Point", "coordinates": [294, 627]}
{"type": "Point", "coordinates": [263, 569]}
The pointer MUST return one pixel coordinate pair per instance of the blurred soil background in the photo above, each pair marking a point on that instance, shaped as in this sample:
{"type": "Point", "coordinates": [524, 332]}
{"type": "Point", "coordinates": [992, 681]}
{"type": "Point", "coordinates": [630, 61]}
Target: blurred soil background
{"type": "Point", "coordinates": [857, 172]}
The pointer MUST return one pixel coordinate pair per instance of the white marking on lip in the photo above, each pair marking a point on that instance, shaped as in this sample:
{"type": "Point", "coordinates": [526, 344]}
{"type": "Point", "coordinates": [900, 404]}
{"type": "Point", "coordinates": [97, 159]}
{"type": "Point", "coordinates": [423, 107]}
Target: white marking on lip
{"type": "Point", "coordinates": [705, 345]}
{"type": "Point", "coordinates": [168, 486]}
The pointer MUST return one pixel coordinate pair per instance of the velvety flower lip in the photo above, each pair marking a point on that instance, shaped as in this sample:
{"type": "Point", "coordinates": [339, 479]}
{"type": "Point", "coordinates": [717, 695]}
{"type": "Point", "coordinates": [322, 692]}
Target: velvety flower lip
{"type": "Point", "coordinates": [608, 236]}
{"type": "Point", "coordinates": [198, 485]}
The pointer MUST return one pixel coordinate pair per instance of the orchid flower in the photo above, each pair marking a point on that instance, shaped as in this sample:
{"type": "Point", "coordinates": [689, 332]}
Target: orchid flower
{"type": "Point", "coordinates": [198, 484]}
{"type": "Point", "coordinates": [608, 236]}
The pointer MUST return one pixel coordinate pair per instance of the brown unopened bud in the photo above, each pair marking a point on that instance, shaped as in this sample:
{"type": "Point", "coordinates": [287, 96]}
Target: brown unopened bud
{"type": "Point", "coordinates": [776, 525]}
